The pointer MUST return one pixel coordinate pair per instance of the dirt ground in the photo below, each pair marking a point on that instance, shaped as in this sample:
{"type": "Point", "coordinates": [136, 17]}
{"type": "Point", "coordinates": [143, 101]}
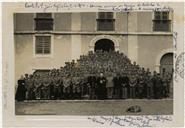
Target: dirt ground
{"type": "Point", "coordinates": [94, 107]}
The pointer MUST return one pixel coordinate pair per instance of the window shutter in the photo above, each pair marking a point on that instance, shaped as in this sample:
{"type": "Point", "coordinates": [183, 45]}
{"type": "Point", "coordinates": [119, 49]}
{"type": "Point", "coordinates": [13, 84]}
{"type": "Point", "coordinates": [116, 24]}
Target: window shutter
{"type": "Point", "coordinates": [47, 45]}
{"type": "Point", "coordinates": [101, 15]}
{"type": "Point", "coordinates": [109, 15]}
{"type": "Point", "coordinates": [157, 15]}
{"type": "Point", "coordinates": [43, 44]}
{"type": "Point", "coordinates": [44, 21]}
{"type": "Point", "coordinates": [44, 15]}
{"type": "Point", "coordinates": [105, 21]}
{"type": "Point", "coordinates": [165, 15]}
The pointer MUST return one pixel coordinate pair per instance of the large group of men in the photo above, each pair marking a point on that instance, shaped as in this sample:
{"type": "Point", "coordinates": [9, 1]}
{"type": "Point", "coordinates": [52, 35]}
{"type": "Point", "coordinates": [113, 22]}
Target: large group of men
{"type": "Point", "coordinates": [98, 75]}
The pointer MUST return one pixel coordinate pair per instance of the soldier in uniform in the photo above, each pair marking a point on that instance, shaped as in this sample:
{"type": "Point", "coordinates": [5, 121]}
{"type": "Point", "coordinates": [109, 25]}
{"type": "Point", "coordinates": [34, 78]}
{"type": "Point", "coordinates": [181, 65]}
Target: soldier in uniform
{"type": "Point", "coordinates": [46, 88]}
{"type": "Point", "coordinates": [154, 79]}
{"type": "Point", "coordinates": [149, 84]}
{"type": "Point", "coordinates": [76, 84]}
{"type": "Point", "coordinates": [92, 81]}
{"type": "Point", "coordinates": [30, 87]}
{"type": "Point", "coordinates": [165, 85]}
{"type": "Point", "coordinates": [26, 77]}
{"type": "Point", "coordinates": [66, 86]}
{"type": "Point", "coordinates": [140, 87]}
{"type": "Point", "coordinates": [78, 87]}
{"type": "Point", "coordinates": [110, 86]}
{"type": "Point", "coordinates": [37, 87]}
{"type": "Point", "coordinates": [169, 80]}
{"type": "Point", "coordinates": [158, 87]}
{"type": "Point", "coordinates": [117, 86]}
{"type": "Point", "coordinates": [132, 84]}
{"type": "Point", "coordinates": [124, 83]}
{"type": "Point", "coordinates": [57, 87]}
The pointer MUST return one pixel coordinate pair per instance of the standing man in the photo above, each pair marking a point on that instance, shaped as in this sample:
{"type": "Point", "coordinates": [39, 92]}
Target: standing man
{"type": "Point", "coordinates": [46, 88]}
{"type": "Point", "coordinates": [57, 87]}
{"type": "Point", "coordinates": [102, 92]}
{"type": "Point", "coordinates": [132, 83]}
{"type": "Point", "coordinates": [117, 85]}
{"type": "Point", "coordinates": [37, 87]}
{"type": "Point", "coordinates": [30, 86]}
{"type": "Point", "coordinates": [110, 86]}
{"type": "Point", "coordinates": [158, 87]}
{"type": "Point", "coordinates": [92, 82]}
{"type": "Point", "coordinates": [154, 79]}
{"type": "Point", "coordinates": [124, 83]}
{"type": "Point", "coordinates": [141, 83]}
{"type": "Point", "coordinates": [66, 87]}
{"type": "Point", "coordinates": [21, 90]}
{"type": "Point", "coordinates": [149, 84]}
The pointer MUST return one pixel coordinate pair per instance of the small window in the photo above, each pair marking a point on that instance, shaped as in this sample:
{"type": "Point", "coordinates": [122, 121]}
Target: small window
{"type": "Point", "coordinates": [43, 21]}
{"type": "Point", "coordinates": [105, 15]}
{"type": "Point", "coordinates": [105, 21]}
{"type": "Point", "coordinates": [43, 45]}
{"type": "Point", "coordinates": [161, 21]}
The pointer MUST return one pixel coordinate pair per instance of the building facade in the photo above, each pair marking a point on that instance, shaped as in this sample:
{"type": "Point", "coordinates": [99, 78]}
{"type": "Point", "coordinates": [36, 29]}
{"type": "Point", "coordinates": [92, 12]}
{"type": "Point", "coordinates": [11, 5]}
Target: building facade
{"type": "Point", "coordinates": [48, 40]}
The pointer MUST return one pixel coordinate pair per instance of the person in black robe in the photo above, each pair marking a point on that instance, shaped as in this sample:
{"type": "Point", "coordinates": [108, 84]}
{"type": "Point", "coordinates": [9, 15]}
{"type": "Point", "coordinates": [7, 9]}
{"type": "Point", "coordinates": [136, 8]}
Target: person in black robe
{"type": "Point", "coordinates": [117, 86]}
{"type": "Point", "coordinates": [124, 83]}
{"type": "Point", "coordinates": [158, 87]}
{"type": "Point", "coordinates": [102, 91]}
{"type": "Point", "coordinates": [91, 80]}
{"type": "Point", "coordinates": [21, 90]}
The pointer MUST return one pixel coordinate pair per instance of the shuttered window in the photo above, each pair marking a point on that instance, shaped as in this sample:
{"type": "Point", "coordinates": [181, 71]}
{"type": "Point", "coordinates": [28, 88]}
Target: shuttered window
{"type": "Point", "coordinates": [43, 21]}
{"type": "Point", "coordinates": [105, 21]}
{"type": "Point", "coordinates": [43, 45]}
{"type": "Point", "coordinates": [161, 21]}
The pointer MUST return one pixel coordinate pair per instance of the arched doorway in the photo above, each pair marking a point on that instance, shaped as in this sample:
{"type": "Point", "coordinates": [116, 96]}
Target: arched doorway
{"type": "Point", "coordinates": [166, 63]}
{"type": "Point", "coordinates": [105, 45]}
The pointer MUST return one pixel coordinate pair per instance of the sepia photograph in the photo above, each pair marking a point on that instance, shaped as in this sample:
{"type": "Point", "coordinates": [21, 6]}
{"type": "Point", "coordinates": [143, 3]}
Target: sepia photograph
{"type": "Point", "coordinates": [102, 62]}
{"type": "Point", "coordinates": [94, 62]}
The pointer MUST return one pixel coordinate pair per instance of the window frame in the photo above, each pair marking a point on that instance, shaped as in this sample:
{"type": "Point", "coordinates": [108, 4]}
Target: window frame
{"type": "Point", "coordinates": [35, 17]}
{"type": "Point", "coordinates": [34, 46]}
{"type": "Point", "coordinates": [160, 20]}
{"type": "Point", "coordinates": [113, 18]}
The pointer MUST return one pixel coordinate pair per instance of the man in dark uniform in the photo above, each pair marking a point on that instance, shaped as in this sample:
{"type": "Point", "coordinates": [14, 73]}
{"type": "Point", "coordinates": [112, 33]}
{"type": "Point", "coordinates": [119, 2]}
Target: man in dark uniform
{"type": "Point", "coordinates": [21, 90]}
{"type": "Point", "coordinates": [30, 87]}
{"type": "Point", "coordinates": [46, 88]}
{"type": "Point", "coordinates": [132, 85]}
{"type": "Point", "coordinates": [117, 86]}
{"type": "Point", "coordinates": [158, 87]}
{"type": "Point", "coordinates": [140, 87]}
{"type": "Point", "coordinates": [57, 87]}
{"type": "Point", "coordinates": [149, 84]}
{"type": "Point", "coordinates": [76, 84]}
{"type": "Point", "coordinates": [66, 87]}
{"type": "Point", "coordinates": [124, 83]}
{"type": "Point", "coordinates": [154, 79]}
{"type": "Point", "coordinates": [102, 92]}
{"type": "Point", "coordinates": [92, 81]}
{"type": "Point", "coordinates": [37, 87]}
